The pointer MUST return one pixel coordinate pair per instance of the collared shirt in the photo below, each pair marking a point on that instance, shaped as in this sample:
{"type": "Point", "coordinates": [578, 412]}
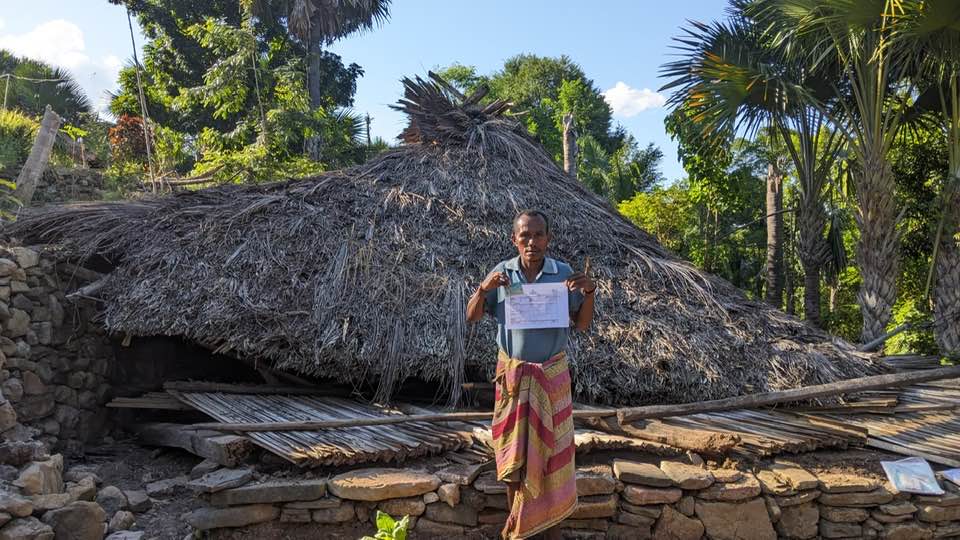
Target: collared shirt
{"type": "Point", "coordinates": [533, 345]}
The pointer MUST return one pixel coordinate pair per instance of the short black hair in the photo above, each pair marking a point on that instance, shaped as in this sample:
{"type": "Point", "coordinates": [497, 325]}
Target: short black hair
{"type": "Point", "coordinates": [532, 213]}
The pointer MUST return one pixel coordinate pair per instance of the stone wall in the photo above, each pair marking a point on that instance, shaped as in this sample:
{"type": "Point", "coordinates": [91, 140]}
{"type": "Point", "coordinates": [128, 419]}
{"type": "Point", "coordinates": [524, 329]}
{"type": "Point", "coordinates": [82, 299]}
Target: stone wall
{"type": "Point", "coordinates": [627, 499]}
{"type": "Point", "coordinates": [53, 361]}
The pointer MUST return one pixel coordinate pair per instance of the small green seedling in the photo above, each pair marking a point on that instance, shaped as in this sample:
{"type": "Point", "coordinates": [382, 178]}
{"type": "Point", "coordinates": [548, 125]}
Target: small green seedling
{"type": "Point", "coordinates": [389, 528]}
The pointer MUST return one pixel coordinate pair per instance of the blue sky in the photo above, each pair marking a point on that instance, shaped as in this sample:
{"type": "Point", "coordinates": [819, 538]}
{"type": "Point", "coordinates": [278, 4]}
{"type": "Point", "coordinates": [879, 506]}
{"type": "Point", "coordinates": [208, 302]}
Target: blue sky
{"type": "Point", "coordinates": [620, 45]}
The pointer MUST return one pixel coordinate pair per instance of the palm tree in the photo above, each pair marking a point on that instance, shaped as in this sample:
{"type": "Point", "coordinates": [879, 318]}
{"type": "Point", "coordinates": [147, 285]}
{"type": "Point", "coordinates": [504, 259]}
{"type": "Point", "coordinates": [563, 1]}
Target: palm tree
{"type": "Point", "coordinates": [31, 85]}
{"type": "Point", "coordinates": [734, 80]}
{"type": "Point", "coordinates": [856, 36]}
{"type": "Point", "coordinates": [321, 22]}
{"type": "Point", "coordinates": [931, 33]}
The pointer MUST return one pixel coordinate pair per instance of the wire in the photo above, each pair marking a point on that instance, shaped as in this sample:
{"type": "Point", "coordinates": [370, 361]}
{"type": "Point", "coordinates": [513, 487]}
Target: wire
{"type": "Point", "coordinates": [31, 79]}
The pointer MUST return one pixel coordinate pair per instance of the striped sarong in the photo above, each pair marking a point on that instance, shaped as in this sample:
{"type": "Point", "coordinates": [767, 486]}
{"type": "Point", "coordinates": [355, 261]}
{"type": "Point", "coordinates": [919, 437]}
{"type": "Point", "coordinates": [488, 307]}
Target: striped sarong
{"type": "Point", "coordinates": [533, 441]}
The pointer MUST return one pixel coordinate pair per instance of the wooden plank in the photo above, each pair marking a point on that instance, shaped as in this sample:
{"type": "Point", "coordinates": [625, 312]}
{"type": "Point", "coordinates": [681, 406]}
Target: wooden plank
{"type": "Point", "coordinates": [149, 401]}
{"type": "Point", "coordinates": [254, 389]}
{"type": "Point", "coordinates": [754, 401]}
{"type": "Point", "coordinates": [227, 450]}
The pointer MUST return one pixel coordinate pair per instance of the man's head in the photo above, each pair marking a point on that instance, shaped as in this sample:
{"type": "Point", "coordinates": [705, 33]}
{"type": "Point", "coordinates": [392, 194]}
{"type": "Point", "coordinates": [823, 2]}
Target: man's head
{"type": "Point", "coordinates": [531, 234]}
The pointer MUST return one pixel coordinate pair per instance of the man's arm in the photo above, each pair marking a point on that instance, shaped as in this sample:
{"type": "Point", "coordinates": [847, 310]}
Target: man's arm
{"type": "Point", "coordinates": [478, 299]}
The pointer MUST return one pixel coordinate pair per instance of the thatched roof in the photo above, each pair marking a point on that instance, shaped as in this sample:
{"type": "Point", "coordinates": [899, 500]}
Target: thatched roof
{"type": "Point", "coordinates": [363, 274]}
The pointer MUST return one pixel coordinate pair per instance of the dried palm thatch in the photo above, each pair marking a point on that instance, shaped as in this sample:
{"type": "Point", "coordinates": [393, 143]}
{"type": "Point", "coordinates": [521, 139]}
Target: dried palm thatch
{"type": "Point", "coordinates": [363, 274]}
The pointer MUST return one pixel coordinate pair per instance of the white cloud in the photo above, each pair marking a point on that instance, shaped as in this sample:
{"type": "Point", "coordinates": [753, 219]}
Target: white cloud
{"type": "Point", "coordinates": [627, 101]}
{"type": "Point", "coordinates": [58, 42]}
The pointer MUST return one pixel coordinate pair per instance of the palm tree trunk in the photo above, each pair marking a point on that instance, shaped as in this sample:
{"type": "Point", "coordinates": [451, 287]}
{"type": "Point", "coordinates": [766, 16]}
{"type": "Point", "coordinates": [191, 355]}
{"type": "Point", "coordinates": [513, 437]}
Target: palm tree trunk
{"type": "Point", "coordinates": [812, 248]}
{"type": "Point", "coordinates": [946, 291]}
{"type": "Point", "coordinates": [877, 248]}
{"type": "Point", "coordinates": [811, 294]}
{"type": "Point", "coordinates": [314, 143]}
{"type": "Point", "coordinates": [774, 263]}
{"type": "Point", "coordinates": [569, 146]}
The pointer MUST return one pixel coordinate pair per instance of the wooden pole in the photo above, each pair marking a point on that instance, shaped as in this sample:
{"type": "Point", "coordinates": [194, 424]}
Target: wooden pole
{"type": "Point", "coordinates": [849, 386]}
{"type": "Point", "coordinates": [39, 156]}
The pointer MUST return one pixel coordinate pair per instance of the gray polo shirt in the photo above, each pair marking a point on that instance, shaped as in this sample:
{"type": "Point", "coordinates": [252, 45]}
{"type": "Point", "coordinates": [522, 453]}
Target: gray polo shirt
{"type": "Point", "coordinates": [539, 344]}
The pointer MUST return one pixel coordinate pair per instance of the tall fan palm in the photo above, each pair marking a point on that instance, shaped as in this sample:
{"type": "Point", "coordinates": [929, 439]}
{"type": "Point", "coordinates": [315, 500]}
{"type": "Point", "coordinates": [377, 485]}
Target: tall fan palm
{"type": "Point", "coordinates": [734, 80]}
{"type": "Point", "coordinates": [321, 22]}
{"type": "Point", "coordinates": [31, 85]}
{"type": "Point", "coordinates": [857, 35]}
{"type": "Point", "coordinates": [931, 33]}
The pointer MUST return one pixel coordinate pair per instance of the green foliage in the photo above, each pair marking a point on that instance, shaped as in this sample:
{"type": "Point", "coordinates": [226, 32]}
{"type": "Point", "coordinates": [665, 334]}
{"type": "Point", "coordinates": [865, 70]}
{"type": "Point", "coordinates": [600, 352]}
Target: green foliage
{"type": "Point", "coordinates": [17, 132]}
{"type": "Point", "coordinates": [9, 203]}
{"type": "Point", "coordinates": [390, 529]}
{"type": "Point", "coordinates": [35, 84]}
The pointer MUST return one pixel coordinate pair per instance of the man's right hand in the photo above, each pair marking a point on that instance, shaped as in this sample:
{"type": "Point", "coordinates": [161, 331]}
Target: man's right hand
{"type": "Point", "coordinates": [494, 280]}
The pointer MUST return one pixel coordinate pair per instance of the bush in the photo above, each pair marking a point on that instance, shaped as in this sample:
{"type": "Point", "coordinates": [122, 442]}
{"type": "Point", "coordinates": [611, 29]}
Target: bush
{"type": "Point", "coordinates": [126, 139]}
{"type": "Point", "coordinates": [17, 132]}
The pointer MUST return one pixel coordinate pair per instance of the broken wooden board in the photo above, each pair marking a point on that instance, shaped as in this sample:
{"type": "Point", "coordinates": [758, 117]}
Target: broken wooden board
{"type": "Point", "coordinates": [227, 450]}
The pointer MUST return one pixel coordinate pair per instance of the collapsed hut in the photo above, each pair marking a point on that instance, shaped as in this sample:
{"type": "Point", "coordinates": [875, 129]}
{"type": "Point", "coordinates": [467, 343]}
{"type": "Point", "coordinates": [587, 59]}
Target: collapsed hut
{"type": "Point", "coordinates": [361, 275]}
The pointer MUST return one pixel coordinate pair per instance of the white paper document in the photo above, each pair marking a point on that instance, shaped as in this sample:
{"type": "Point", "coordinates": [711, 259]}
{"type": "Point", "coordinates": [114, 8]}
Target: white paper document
{"type": "Point", "coordinates": [537, 305]}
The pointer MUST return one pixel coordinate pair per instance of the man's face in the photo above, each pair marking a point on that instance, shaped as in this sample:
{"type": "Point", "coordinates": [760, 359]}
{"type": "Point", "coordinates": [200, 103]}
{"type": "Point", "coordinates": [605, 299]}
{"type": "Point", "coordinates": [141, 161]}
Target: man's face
{"type": "Point", "coordinates": [531, 238]}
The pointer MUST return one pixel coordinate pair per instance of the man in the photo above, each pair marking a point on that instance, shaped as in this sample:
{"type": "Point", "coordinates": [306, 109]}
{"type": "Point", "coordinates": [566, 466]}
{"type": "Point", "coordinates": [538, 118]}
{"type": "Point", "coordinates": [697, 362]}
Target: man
{"type": "Point", "coordinates": [533, 415]}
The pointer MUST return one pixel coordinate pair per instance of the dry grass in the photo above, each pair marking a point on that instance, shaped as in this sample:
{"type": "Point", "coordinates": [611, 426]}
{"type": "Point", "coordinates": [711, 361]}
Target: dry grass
{"type": "Point", "coordinates": [363, 274]}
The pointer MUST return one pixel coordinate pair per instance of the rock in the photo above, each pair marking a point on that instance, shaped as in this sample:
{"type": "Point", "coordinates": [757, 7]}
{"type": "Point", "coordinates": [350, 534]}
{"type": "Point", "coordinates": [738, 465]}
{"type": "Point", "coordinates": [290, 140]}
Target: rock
{"type": "Point", "coordinates": [220, 480]}
{"type": "Point", "coordinates": [344, 512]}
{"type": "Point", "coordinates": [26, 529]}
{"type": "Point", "coordinates": [26, 257]}
{"type": "Point", "coordinates": [81, 520]}
{"type": "Point", "coordinates": [644, 474]}
{"type": "Point", "coordinates": [381, 484]}
{"type": "Point", "coordinates": [461, 515]}
{"type": "Point", "coordinates": [128, 535]}
{"type": "Point", "coordinates": [949, 499]}
{"type": "Point", "coordinates": [488, 483]}
{"type": "Point", "coordinates": [450, 494]}
{"type": "Point", "coordinates": [646, 511]}
{"type": "Point", "coordinates": [15, 505]}
{"type": "Point", "coordinates": [295, 515]}
{"type": "Point", "coordinates": [627, 532]}
{"type": "Point", "coordinates": [839, 514]}
{"type": "Point", "coordinates": [857, 498]}
{"type": "Point", "coordinates": [32, 385]}
{"type": "Point", "coordinates": [84, 490]}
{"type": "Point", "coordinates": [35, 407]}
{"type": "Point", "coordinates": [121, 521]}
{"type": "Point", "coordinates": [799, 521]}
{"type": "Point", "coordinates": [319, 504]}
{"type": "Point", "coordinates": [726, 475]}
{"type": "Point", "coordinates": [409, 506]}
{"type": "Point", "coordinates": [430, 498]}
{"type": "Point", "coordinates": [7, 267]}
{"type": "Point", "coordinates": [488, 517]}
{"type": "Point", "coordinates": [591, 483]}
{"type": "Point", "coordinates": [44, 503]}
{"type": "Point", "coordinates": [12, 390]}
{"type": "Point", "coordinates": [42, 477]}
{"type": "Point", "coordinates": [138, 500]}
{"type": "Point", "coordinates": [18, 323]}
{"type": "Point", "coordinates": [432, 529]}
{"type": "Point", "coordinates": [772, 484]}
{"type": "Point", "coordinates": [947, 530]}
{"type": "Point", "coordinates": [686, 506]}
{"type": "Point", "coordinates": [887, 518]}
{"type": "Point", "coordinates": [939, 513]}
{"type": "Point", "coordinates": [586, 524]}
{"type": "Point", "coordinates": [463, 475]}
{"type": "Point", "coordinates": [673, 525]}
{"type": "Point", "coordinates": [747, 487]}
{"type": "Point", "coordinates": [271, 492]}
{"type": "Point", "coordinates": [78, 473]}
{"type": "Point", "coordinates": [8, 416]}
{"type": "Point", "coordinates": [634, 520]}
{"type": "Point", "coordinates": [166, 487]}
{"type": "Point", "coordinates": [112, 500]}
{"type": "Point", "coordinates": [642, 495]}
{"type": "Point", "coordinates": [206, 518]}
{"type": "Point", "coordinates": [845, 483]}
{"type": "Point", "coordinates": [907, 531]}
{"type": "Point", "coordinates": [800, 498]}
{"type": "Point", "coordinates": [897, 509]}
{"type": "Point", "coordinates": [595, 506]}
{"type": "Point", "coordinates": [794, 475]}
{"type": "Point", "coordinates": [773, 510]}
{"type": "Point", "coordinates": [736, 521]}
{"type": "Point", "coordinates": [686, 476]}
{"type": "Point", "coordinates": [204, 467]}
{"type": "Point", "coordinates": [829, 529]}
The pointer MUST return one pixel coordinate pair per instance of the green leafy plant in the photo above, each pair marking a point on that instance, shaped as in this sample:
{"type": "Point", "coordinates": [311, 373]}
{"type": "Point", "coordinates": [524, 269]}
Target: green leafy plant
{"type": "Point", "coordinates": [389, 528]}
{"type": "Point", "coordinates": [17, 132]}
{"type": "Point", "coordinates": [9, 203]}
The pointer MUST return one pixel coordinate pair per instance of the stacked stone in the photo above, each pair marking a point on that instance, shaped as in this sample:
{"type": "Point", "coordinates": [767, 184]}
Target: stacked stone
{"type": "Point", "coordinates": [675, 499]}
{"type": "Point", "coordinates": [53, 362]}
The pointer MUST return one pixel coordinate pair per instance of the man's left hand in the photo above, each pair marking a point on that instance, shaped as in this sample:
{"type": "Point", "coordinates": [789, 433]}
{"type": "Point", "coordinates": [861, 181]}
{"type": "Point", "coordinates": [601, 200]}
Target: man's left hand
{"type": "Point", "coordinates": [578, 281]}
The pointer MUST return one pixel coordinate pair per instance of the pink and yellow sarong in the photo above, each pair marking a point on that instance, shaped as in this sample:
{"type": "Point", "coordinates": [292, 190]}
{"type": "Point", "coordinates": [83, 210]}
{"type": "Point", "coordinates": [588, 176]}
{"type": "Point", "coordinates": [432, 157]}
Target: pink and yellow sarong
{"type": "Point", "coordinates": [533, 440]}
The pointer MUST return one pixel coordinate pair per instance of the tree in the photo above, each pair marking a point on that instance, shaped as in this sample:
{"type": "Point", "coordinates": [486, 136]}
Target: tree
{"type": "Point", "coordinates": [856, 41]}
{"type": "Point", "coordinates": [931, 34]}
{"type": "Point", "coordinates": [31, 85]}
{"type": "Point", "coordinates": [732, 80]}
{"type": "Point", "coordinates": [318, 23]}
